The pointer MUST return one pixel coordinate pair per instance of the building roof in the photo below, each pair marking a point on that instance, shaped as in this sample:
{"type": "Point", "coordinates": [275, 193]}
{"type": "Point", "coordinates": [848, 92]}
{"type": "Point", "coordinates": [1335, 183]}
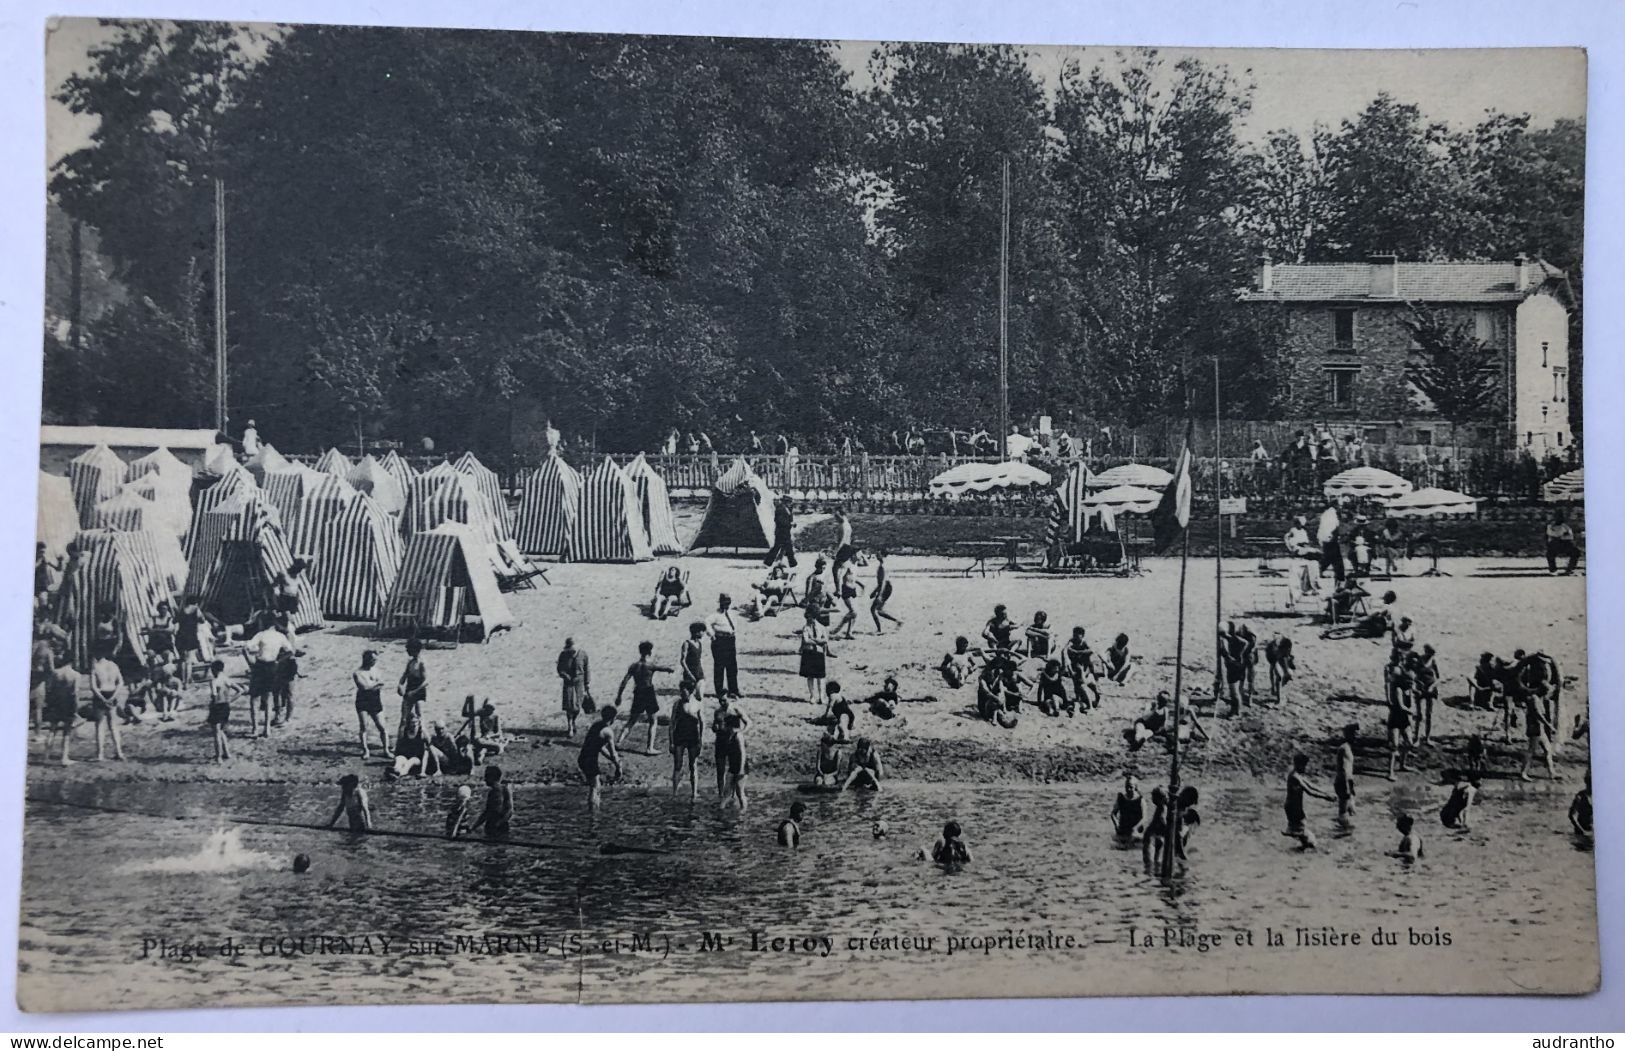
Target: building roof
{"type": "Point", "coordinates": [126, 437]}
{"type": "Point", "coordinates": [1418, 282]}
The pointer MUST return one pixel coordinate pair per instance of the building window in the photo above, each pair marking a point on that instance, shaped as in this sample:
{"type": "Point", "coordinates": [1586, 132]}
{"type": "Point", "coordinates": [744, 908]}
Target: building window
{"type": "Point", "coordinates": [1484, 326]}
{"type": "Point", "coordinates": [1559, 439]}
{"type": "Point", "coordinates": [1424, 436]}
{"type": "Point", "coordinates": [1343, 329]}
{"type": "Point", "coordinates": [1376, 436]}
{"type": "Point", "coordinates": [1340, 387]}
{"type": "Point", "coordinates": [1545, 348]}
{"type": "Point", "coordinates": [1560, 384]}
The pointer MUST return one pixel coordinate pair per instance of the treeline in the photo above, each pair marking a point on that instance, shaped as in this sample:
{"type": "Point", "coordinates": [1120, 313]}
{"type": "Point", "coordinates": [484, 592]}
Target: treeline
{"type": "Point", "coordinates": [431, 230]}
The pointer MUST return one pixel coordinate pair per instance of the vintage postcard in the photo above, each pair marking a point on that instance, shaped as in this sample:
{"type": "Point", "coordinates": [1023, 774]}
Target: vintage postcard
{"type": "Point", "coordinates": [564, 518]}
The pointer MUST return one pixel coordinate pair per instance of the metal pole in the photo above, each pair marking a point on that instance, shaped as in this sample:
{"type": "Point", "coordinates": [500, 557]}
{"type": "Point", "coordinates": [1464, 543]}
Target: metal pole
{"type": "Point", "coordinates": [1218, 519]}
{"type": "Point", "coordinates": [1004, 316]}
{"type": "Point", "coordinates": [1173, 822]}
{"type": "Point", "coordinates": [221, 390]}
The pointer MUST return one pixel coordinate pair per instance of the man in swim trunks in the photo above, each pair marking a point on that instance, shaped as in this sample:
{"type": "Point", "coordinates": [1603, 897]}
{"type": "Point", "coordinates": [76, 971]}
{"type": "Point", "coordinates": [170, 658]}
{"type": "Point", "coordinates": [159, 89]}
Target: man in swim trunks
{"type": "Point", "coordinates": [1298, 785]}
{"type": "Point", "coordinates": [882, 593]}
{"type": "Point", "coordinates": [790, 827]}
{"type": "Point", "coordinates": [687, 726]}
{"type": "Point", "coordinates": [645, 703]}
{"type": "Point", "coordinates": [352, 804]}
{"type": "Point", "coordinates": [598, 746]}
{"type": "Point", "coordinates": [1343, 785]}
{"type": "Point", "coordinates": [498, 812]}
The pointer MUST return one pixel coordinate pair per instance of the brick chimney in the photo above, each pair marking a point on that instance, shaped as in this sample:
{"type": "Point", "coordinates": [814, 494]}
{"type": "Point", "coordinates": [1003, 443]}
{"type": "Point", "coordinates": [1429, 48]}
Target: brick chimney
{"type": "Point", "coordinates": [1384, 275]}
{"type": "Point", "coordinates": [1266, 280]}
{"type": "Point", "coordinates": [1520, 282]}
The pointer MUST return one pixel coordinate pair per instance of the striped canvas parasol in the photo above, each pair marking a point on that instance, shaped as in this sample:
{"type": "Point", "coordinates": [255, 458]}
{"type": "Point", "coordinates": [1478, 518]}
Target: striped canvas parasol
{"type": "Point", "coordinates": [1565, 488]}
{"type": "Point", "coordinates": [1431, 503]}
{"type": "Point", "coordinates": [1129, 499]}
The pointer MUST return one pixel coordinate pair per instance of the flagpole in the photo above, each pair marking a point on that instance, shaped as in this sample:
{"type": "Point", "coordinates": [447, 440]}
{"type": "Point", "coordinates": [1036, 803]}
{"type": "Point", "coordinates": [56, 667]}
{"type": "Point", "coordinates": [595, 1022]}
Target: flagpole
{"type": "Point", "coordinates": [1004, 315]}
{"type": "Point", "coordinates": [1218, 550]}
{"type": "Point", "coordinates": [1173, 821]}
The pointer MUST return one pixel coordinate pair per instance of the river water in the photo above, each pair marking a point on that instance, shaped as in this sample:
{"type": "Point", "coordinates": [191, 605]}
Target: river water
{"type": "Point", "coordinates": [130, 910]}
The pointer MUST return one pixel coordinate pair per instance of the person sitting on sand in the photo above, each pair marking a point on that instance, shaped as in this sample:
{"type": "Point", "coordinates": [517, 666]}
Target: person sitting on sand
{"type": "Point", "coordinates": [671, 594]}
{"type": "Point", "coordinates": [1463, 794]}
{"type": "Point", "coordinates": [161, 689]}
{"type": "Point", "coordinates": [999, 631]}
{"type": "Point", "coordinates": [1410, 843]}
{"type": "Point", "coordinates": [1342, 602]}
{"type": "Point", "coordinates": [883, 704]}
{"type": "Point", "coordinates": [1119, 666]}
{"type": "Point", "coordinates": [1485, 686]}
{"type": "Point", "coordinates": [1051, 696]}
{"type": "Point", "coordinates": [827, 766]}
{"type": "Point", "coordinates": [1040, 640]}
{"type": "Point", "coordinates": [778, 590]}
{"type": "Point", "coordinates": [1079, 661]}
{"type": "Point", "coordinates": [453, 755]}
{"type": "Point", "coordinates": [789, 833]}
{"type": "Point", "coordinates": [598, 746]}
{"type": "Point", "coordinates": [957, 665]}
{"type": "Point", "coordinates": [1580, 809]}
{"type": "Point", "coordinates": [461, 813]}
{"type": "Point", "coordinates": [863, 766]}
{"type": "Point", "coordinates": [645, 702]}
{"type": "Point", "coordinates": [413, 755]}
{"type": "Point", "coordinates": [1151, 723]}
{"type": "Point", "coordinates": [1298, 786]}
{"type": "Point", "coordinates": [353, 804]}
{"type": "Point", "coordinates": [951, 850]}
{"type": "Point", "coordinates": [1129, 809]}
{"type": "Point", "coordinates": [497, 816]}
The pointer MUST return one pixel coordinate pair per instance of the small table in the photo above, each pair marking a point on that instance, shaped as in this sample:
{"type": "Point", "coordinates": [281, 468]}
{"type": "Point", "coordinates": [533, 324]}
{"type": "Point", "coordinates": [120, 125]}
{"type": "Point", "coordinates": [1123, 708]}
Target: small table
{"type": "Point", "coordinates": [1012, 550]}
{"type": "Point", "coordinates": [980, 550]}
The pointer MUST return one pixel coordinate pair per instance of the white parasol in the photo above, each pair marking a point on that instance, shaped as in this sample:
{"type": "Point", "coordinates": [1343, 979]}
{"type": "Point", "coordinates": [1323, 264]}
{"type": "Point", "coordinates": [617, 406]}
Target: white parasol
{"type": "Point", "coordinates": [1133, 474]}
{"type": "Point", "coordinates": [1367, 481]}
{"type": "Point", "coordinates": [1430, 503]}
{"type": "Point", "coordinates": [1565, 488]}
{"type": "Point", "coordinates": [984, 477]}
{"type": "Point", "coordinates": [1129, 499]}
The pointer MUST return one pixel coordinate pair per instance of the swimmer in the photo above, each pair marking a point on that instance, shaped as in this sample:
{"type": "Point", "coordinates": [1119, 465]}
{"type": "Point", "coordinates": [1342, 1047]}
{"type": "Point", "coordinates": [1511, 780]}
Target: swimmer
{"type": "Point", "coordinates": [498, 811]}
{"type": "Point", "coordinates": [301, 864]}
{"type": "Point", "coordinates": [458, 817]}
{"type": "Point", "coordinates": [353, 804]}
{"type": "Point", "coordinates": [1129, 809]}
{"type": "Point", "coordinates": [1298, 785]}
{"type": "Point", "coordinates": [790, 827]}
{"type": "Point", "coordinates": [951, 851]}
{"type": "Point", "coordinates": [1410, 844]}
{"type": "Point", "coordinates": [1462, 797]}
{"type": "Point", "coordinates": [828, 763]}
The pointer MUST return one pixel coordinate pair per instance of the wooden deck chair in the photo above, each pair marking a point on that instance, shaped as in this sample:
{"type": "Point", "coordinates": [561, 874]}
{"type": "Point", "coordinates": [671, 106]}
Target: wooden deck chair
{"type": "Point", "coordinates": [521, 573]}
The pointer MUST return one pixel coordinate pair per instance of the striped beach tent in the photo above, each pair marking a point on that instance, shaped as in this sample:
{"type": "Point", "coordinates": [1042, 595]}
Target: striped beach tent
{"type": "Point", "coordinates": [267, 459]}
{"type": "Point", "coordinates": [123, 573]}
{"type": "Point", "coordinates": [489, 488]}
{"type": "Point", "coordinates": [399, 469]}
{"type": "Point", "coordinates": [126, 511]}
{"type": "Point", "coordinates": [1073, 493]}
{"type": "Point", "coordinates": [655, 502]}
{"type": "Point", "coordinates": [248, 549]}
{"type": "Point", "coordinates": [373, 479]}
{"type": "Point", "coordinates": [739, 513]}
{"type": "Point", "coordinates": [609, 527]}
{"type": "Point", "coordinates": [356, 553]}
{"type": "Point", "coordinates": [548, 506]}
{"type": "Point", "coordinates": [444, 494]}
{"type": "Point", "coordinates": [163, 463]}
{"type": "Point", "coordinates": [174, 506]}
{"type": "Point", "coordinates": [434, 562]}
{"type": "Point", "coordinates": [334, 463]}
{"type": "Point", "coordinates": [95, 475]}
{"type": "Point", "coordinates": [218, 461]}
{"type": "Point", "coordinates": [56, 519]}
{"type": "Point", "coordinates": [291, 490]}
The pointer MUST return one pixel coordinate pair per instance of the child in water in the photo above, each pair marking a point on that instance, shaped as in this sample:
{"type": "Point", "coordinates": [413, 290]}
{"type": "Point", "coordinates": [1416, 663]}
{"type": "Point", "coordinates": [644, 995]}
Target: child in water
{"type": "Point", "coordinates": [957, 666]}
{"type": "Point", "coordinates": [1462, 797]}
{"type": "Point", "coordinates": [1410, 844]}
{"type": "Point", "coordinates": [498, 812]}
{"type": "Point", "coordinates": [458, 817]}
{"type": "Point", "coordinates": [353, 804]}
{"type": "Point", "coordinates": [828, 763]}
{"type": "Point", "coordinates": [1298, 785]}
{"type": "Point", "coordinates": [790, 827]}
{"type": "Point", "coordinates": [1129, 809]}
{"type": "Point", "coordinates": [951, 850]}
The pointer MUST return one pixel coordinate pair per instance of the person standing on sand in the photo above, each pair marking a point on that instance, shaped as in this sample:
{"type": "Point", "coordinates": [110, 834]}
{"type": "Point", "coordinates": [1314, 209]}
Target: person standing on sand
{"type": "Point", "coordinates": [784, 542]}
{"type": "Point", "coordinates": [575, 675]}
{"type": "Point", "coordinates": [61, 703]}
{"type": "Point", "coordinates": [1329, 536]}
{"type": "Point", "coordinates": [1537, 731]}
{"type": "Point", "coordinates": [687, 728]}
{"type": "Point", "coordinates": [1343, 785]}
{"type": "Point", "coordinates": [814, 647]}
{"type": "Point", "coordinates": [724, 633]}
{"type": "Point", "coordinates": [645, 702]}
{"type": "Point", "coordinates": [106, 685]}
{"type": "Point", "coordinates": [882, 593]}
{"type": "Point", "coordinates": [413, 688]}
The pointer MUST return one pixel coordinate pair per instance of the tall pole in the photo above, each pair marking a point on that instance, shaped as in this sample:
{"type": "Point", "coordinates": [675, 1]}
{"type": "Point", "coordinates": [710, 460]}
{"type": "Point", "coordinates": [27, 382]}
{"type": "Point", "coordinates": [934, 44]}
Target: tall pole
{"type": "Point", "coordinates": [1218, 520]}
{"type": "Point", "coordinates": [1004, 314]}
{"type": "Point", "coordinates": [1173, 822]}
{"type": "Point", "coordinates": [220, 385]}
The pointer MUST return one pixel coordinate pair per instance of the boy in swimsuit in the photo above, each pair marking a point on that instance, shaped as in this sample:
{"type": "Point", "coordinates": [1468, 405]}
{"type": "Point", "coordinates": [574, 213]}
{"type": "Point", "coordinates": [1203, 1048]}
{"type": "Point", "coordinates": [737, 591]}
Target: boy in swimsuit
{"type": "Point", "coordinates": [1278, 655]}
{"type": "Point", "coordinates": [106, 684]}
{"type": "Point", "coordinates": [498, 812]}
{"type": "Point", "coordinates": [691, 662]}
{"type": "Point", "coordinates": [687, 725]}
{"type": "Point", "coordinates": [1298, 785]}
{"type": "Point", "coordinates": [1410, 844]}
{"type": "Point", "coordinates": [849, 588]}
{"type": "Point", "coordinates": [598, 746]}
{"type": "Point", "coordinates": [999, 629]}
{"type": "Point", "coordinates": [828, 764]}
{"type": "Point", "coordinates": [1537, 732]}
{"type": "Point", "coordinates": [1425, 674]}
{"type": "Point", "coordinates": [1052, 696]}
{"type": "Point", "coordinates": [220, 694]}
{"type": "Point", "coordinates": [1118, 666]}
{"type": "Point", "coordinates": [881, 594]}
{"type": "Point", "coordinates": [956, 667]}
{"type": "Point", "coordinates": [790, 827]}
{"type": "Point", "coordinates": [353, 804]}
{"type": "Point", "coordinates": [1343, 785]}
{"type": "Point", "coordinates": [1462, 797]}
{"type": "Point", "coordinates": [864, 769]}
{"type": "Point", "coordinates": [645, 703]}
{"type": "Point", "coordinates": [1039, 638]}
{"type": "Point", "coordinates": [951, 848]}
{"type": "Point", "coordinates": [457, 818]}
{"type": "Point", "coordinates": [1129, 809]}
{"type": "Point", "coordinates": [1580, 818]}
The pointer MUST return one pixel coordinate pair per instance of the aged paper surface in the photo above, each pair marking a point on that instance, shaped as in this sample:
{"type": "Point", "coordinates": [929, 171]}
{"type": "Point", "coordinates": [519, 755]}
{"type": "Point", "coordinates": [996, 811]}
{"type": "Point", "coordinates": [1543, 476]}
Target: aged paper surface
{"type": "Point", "coordinates": [1102, 521]}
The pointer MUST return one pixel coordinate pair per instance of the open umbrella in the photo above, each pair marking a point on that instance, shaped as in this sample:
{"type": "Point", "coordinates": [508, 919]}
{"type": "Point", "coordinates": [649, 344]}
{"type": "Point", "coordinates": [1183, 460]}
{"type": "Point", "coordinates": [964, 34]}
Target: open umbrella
{"type": "Point", "coordinates": [984, 477]}
{"type": "Point", "coordinates": [1131, 499]}
{"type": "Point", "coordinates": [1565, 488]}
{"type": "Point", "coordinates": [1366, 481]}
{"type": "Point", "coordinates": [1137, 474]}
{"type": "Point", "coordinates": [1430, 503]}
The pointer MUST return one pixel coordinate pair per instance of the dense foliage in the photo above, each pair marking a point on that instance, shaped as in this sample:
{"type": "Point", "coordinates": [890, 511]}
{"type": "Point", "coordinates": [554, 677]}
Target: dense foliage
{"type": "Point", "coordinates": [431, 231]}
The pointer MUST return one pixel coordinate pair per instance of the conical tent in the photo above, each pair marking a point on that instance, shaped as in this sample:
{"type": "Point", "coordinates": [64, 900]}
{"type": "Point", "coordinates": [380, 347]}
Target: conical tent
{"type": "Point", "coordinates": [655, 503]}
{"type": "Point", "coordinates": [291, 490]}
{"type": "Point", "coordinates": [218, 461]}
{"type": "Point", "coordinates": [163, 467]}
{"type": "Point", "coordinates": [356, 553]}
{"type": "Point", "coordinates": [448, 556]}
{"type": "Point", "coordinates": [95, 475]}
{"type": "Point", "coordinates": [248, 549]}
{"type": "Point", "coordinates": [1074, 492]}
{"type": "Point", "coordinates": [121, 573]}
{"type": "Point", "coordinates": [56, 519]}
{"type": "Point", "coordinates": [399, 469]}
{"type": "Point", "coordinates": [445, 494]}
{"type": "Point", "coordinates": [334, 463]}
{"type": "Point", "coordinates": [371, 478]}
{"type": "Point", "coordinates": [548, 508]}
{"type": "Point", "coordinates": [609, 527]}
{"type": "Point", "coordinates": [739, 513]}
{"type": "Point", "coordinates": [489, 488]}
{"type": "Point", "coordinates": [267, 459]}
{"type": "Point", "coordinates": [127, 512]}
{"type": "Point", "coordinates": [174, 509]}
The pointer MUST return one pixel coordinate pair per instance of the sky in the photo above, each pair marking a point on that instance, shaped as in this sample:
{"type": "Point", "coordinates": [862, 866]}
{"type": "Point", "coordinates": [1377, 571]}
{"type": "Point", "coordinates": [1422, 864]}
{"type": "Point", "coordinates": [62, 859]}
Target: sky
{"type": "Point", "coordinates": [1295, 89]}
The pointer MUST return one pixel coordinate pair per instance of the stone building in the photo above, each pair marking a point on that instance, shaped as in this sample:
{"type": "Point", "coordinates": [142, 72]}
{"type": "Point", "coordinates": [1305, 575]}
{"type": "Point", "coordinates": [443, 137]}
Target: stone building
{"type": "Point", "coordinates": [1346, 347]}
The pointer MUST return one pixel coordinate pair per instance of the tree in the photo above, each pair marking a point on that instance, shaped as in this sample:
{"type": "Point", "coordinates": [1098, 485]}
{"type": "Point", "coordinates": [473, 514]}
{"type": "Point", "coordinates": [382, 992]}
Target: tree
{"type": "Point", "coordinates": [1449, 367]}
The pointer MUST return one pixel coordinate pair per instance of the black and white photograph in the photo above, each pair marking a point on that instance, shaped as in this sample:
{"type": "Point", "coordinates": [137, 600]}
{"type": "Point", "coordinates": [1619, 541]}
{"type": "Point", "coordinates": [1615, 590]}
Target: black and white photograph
{"type": "Point", "coordinates": [535, 517]}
